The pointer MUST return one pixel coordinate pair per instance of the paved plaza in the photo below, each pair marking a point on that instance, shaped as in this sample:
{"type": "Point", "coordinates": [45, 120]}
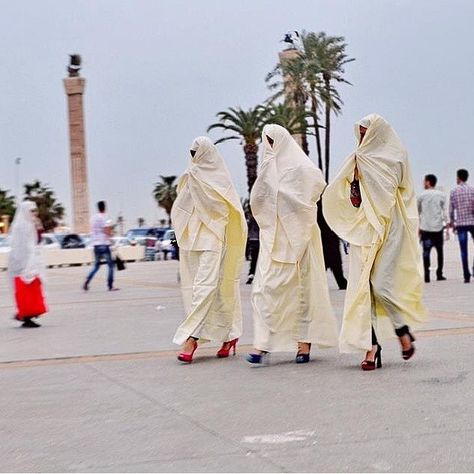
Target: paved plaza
{"type": "Point", "coordinates": [98, 388]}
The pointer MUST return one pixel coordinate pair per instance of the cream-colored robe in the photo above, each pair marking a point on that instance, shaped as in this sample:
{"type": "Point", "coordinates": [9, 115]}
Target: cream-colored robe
{"type": "Point", "coordinates": [211, 232]}
{"type": "Point", "coordinates": [385, 274]}
{"type": "Point", "coordinates": [290, 296]}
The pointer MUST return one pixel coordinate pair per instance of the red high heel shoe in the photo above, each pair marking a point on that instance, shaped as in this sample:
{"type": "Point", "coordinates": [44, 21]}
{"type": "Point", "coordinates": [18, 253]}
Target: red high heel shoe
{"type": "Point", "coordinates": [224, 352]}
{"type": "Point", "coordinates": [186, 357]}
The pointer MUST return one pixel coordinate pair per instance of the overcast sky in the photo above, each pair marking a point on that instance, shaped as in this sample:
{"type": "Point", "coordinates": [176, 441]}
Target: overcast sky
{"type": "Point", "coordinates": [158, 71]}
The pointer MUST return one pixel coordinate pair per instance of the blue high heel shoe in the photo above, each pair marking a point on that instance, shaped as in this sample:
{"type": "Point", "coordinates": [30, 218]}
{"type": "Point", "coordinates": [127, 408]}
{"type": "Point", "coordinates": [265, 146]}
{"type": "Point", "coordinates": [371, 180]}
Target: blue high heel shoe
{"type": "Point", "coordinates": [303, 358]}
{"type": "Point", "coordinates": [258, 358]}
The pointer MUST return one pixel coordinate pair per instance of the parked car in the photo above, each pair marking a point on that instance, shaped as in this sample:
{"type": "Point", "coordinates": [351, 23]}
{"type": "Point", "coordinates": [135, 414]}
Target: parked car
{"type": "Point", "coordinates": [86, 238]}
{"type": "Point", "coordinates": [166, 244]}
{"type": "Point", "coordinates": [4, 244]}
{"type": "Point", "coordinates": [140, 234]}
{"type": "Point", "coordinates": [120, 241]}
{"type": "Point", "coordinates": [71, 241]}
{"type": "Point", "coordinates": [50, 241]}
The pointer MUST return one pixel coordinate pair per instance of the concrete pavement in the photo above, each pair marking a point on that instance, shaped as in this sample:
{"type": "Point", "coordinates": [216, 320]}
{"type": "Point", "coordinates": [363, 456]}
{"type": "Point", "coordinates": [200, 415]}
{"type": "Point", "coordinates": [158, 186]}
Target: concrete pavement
{"type": "Point", "coordinates": [98, 388]}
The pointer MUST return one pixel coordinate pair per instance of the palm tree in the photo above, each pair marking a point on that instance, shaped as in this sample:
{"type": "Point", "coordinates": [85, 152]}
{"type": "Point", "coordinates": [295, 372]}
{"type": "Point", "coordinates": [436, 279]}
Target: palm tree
{"type": "Point", "coordinates": [165, 194]}
{"type": "Point", "coordinates": [312, 73]}
{"type": "Point", "coordinates": [7, 203]}
{"type": "Point", "coordinates": [246, 126]}
{"type": "Point", "coordinates": [288, 116]}
{"type": "Point", "coordinates": [325, 58]}
{"type": "Point", "coordinates": [289, 75]}
{"type": "Point", "coordinates": [50, 210]}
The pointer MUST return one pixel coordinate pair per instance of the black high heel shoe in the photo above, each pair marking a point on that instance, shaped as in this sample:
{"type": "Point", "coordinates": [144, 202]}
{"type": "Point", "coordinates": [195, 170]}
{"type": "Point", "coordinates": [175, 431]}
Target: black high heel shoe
{"type": "Point", "coordinates": [400, 332]}
{"type": "Point", "coordinates": [376, 363]}
{"type": "Point", "coordinates": [303, 358]}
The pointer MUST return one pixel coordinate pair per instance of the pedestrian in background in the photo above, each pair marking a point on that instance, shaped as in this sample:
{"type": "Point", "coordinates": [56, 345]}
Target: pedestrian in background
{"type": "Point", "coordinates": [211, 232]}
{"type": "Point", "coordinates": [101, 227]}
{"type": "Point", "coordinates": [432, 208]}
{"type": "Point", "coordinates": [254, 247]}
{"type": "Point", "coordinates": [461, 215]}
{"type": "Point", "coordinates": [332, 250]}
{"type": "Point", "coordinates": [25, 268]}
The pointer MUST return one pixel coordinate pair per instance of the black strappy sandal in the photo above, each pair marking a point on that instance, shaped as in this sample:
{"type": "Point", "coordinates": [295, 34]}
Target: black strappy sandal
{"type": "Point", "coordinates": [373, 364]}
{"type": "Point", "coordinates": [400, 332]}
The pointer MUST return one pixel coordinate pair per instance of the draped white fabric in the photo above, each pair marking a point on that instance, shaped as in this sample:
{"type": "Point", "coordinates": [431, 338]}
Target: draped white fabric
{"type": "Point", "coordinates": [211, 232]}
{"type": "Point", "coordinates": [385, 278]}
{"type": "Point", "coordinates": [24, 259]}
{"type": "Point", "coordinates": [290, 296]}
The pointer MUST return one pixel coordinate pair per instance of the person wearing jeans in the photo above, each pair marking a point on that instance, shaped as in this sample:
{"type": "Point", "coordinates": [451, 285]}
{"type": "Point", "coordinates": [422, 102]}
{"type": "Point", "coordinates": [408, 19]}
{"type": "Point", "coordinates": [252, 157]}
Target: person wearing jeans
{"type": "Point", "coordinates": [463, 237]}
{"type": "Point", "coordinates": [101, 233]}
{"type": "Point", "coordinates": [102, 252]}
{"type": "Point", "coordinates": [461, 213]}
{"type": "Point", "coordinates": [432, 211]}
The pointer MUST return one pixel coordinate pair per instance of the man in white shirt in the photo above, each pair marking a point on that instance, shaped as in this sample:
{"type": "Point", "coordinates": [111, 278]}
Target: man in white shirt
{"type": "Point", "coordinates": [433, 217]}
{"type": "Point", "coordinates": [101, 228]}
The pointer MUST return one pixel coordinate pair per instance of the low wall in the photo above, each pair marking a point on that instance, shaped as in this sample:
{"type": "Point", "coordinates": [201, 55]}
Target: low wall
{"type": "Point", "coordinates": [131, 253]}
{"type": "Point", "coordinates": [60, 257]}
{"type": "Point", "coordinates": [3, 260]}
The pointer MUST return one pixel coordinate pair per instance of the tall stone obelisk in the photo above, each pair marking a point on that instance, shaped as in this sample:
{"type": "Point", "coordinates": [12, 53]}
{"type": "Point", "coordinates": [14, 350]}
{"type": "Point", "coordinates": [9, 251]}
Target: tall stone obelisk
{"type": "Point", "coordinates": [286, 56]}
{"type": "Point", "coordinates": [74, 85]}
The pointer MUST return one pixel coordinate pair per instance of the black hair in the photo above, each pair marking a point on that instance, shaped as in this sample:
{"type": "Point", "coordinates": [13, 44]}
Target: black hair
{"type": "Point", "coordinates": [432, 179]}
{"type": "Point", "coordinates": [101, 206]}
{"type": "Point", "coordinates": [463, 175]}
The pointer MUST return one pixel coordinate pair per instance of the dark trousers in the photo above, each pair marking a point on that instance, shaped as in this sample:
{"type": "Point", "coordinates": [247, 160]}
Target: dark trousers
{"type": "Point", "coordinates": [463, 236]}
{"type": "Point", "coordinates": [254, 247]}
{"type": "Point", "coordinates": [428, 241]}
{"type": "Point", "coordinates": [102, 251]}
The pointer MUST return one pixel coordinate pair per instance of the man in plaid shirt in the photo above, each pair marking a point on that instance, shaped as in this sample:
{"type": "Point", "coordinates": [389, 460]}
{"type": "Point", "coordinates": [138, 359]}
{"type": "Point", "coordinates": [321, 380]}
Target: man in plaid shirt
{"type": "Point", "coordinates": [461, 214]}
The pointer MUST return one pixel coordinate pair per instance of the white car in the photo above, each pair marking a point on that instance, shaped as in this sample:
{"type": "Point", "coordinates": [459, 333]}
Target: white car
{"type": "Point", "coordinates": [165, 244]}
{"type": "Point", "coordinates": [50, 241]}
{"type": "Point", "coordinates": [4, 245]}
{"type": "Point", "coordinates": [120, 242]}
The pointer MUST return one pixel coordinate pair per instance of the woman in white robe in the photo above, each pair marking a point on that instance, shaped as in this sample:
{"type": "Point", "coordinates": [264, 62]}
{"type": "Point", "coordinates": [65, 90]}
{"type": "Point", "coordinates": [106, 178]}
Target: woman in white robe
{"type": "Point", "coordinates": [24, 259]}
{"type": "Point", "coordinates": [290, 296]}
{"type": "Point", "coordinates": [371, 204]}
{"type": "Point", "coordinates": [211, 232]}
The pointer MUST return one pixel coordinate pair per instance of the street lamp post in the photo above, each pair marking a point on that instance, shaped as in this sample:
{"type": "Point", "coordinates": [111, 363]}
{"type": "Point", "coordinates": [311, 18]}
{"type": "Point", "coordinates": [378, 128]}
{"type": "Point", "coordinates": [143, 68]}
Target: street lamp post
{"type": "Point", "coordinates": [17, 180]}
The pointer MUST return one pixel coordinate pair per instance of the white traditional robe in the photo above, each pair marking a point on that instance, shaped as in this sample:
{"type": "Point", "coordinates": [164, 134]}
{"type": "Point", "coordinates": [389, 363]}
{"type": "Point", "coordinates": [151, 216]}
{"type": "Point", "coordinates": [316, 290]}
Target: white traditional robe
{"type": "Point", "coordinates": [211, 232]}
{"type": "Point", "coordinates": [24, 259]}
{"type": "Point", "coordinates": [290, 296]}
{"type": "Point", "coordinates": [385, 274]}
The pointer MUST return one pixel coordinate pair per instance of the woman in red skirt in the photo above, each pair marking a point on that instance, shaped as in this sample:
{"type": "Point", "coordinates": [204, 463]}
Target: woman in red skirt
{"type": "Point", "coordinates": [24, 264]}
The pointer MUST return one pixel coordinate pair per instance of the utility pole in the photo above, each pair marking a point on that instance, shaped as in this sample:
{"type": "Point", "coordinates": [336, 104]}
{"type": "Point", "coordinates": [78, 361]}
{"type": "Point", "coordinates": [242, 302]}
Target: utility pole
{"type": "Point", "coordinates": [17, 181]}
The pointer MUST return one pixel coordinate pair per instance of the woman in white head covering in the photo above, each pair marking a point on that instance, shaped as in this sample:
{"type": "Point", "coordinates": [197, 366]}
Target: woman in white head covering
{"type": "Point", "coordinates": [290, 296]}
{"type": "Point", "coordinates": [371, 204]}
{"type": "Point", "coordinates": [211, 232]}
{"type": "Point", "coordinates": [24, 259]}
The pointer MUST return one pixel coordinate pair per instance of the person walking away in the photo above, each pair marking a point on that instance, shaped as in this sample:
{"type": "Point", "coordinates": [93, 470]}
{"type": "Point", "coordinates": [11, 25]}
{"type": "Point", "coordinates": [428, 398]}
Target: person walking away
{"type": "Point", "coordinates": [254, 247]}
{"type": "Point", "coordinates": [371, 204]}
{"type": "Point", "coordinates": [461, 215]}
{"type": "Point", "coordinates": [432, 207]}
{"type": "Point", "coordinates": [101, 233]}
{"type": "Point", "coordinates": [290, 296]}
{"type": "Point", "coordinates": [24, 261]}
{"type": "Point", "coordinates": [211, 231]}
{"type": "Point", "coordinates": [331, 250]}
